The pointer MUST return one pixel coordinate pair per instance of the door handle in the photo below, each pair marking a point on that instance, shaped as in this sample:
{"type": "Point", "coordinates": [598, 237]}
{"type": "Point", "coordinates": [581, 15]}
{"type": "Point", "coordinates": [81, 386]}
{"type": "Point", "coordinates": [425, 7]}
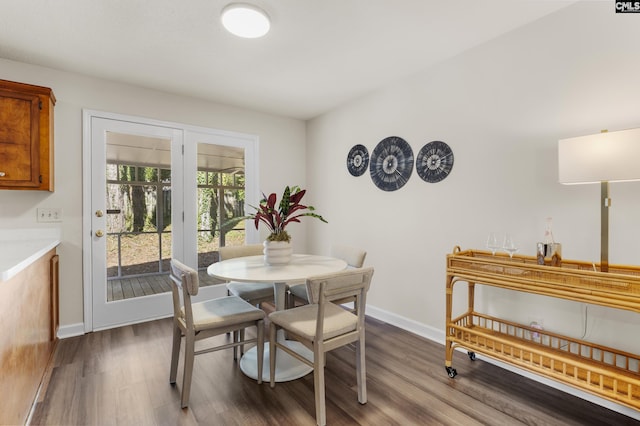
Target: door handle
{"type": "Point", "coordinates": [99, 213]}
{"type": "Point", "coordinates": [99, 233]}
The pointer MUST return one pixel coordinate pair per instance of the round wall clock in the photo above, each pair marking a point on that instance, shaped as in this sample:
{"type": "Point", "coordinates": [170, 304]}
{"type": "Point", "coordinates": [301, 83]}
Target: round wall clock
{"type": "Point", "coordinates": [434, 161]}
{"type": "Point", "coordinates": [358, 160]}
{"type": "Point", "coordinates": [391, 163]}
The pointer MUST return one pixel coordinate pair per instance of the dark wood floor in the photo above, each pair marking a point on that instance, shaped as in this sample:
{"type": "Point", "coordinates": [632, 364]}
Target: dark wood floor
{"type": "Point", "coordinates": [120, 377]}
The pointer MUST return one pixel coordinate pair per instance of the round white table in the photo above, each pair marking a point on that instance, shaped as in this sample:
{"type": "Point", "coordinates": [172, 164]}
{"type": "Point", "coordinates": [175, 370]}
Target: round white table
{"type": "Point", "coordinates": [254, 269]}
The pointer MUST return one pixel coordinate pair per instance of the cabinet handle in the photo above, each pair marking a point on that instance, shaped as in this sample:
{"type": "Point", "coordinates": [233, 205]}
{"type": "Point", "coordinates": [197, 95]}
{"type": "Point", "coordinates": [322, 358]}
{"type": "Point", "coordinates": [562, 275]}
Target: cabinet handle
{"type": "Point", "coordinates": [2, 174]}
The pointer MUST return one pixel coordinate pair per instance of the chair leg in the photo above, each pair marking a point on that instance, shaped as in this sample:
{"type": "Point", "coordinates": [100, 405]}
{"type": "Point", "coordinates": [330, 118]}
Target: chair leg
{"type": "Point", "coordinates": [241, 340]}
{"type": "Point", "coordinates": [318, 387]}
{"type": "Point", "coordinates": [235, 338]}
{"type": "Point", "coordinates": [175, 353]}
{"type": "Point", "coordinates": [189, 348]}
{"type": "Point", "coordinates": [228, 333]}
{"type": "Point", "coordinates": [361, 371]}
{"type": "Point", "coordinates": [260, 329]}
{"type": "Point", "coordinates": [272, 355]}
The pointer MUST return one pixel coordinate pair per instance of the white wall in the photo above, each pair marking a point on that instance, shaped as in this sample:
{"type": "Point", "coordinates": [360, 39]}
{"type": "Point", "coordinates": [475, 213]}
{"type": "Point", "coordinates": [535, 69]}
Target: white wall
{"type": "Point", "coordinates": [502, 108]}
{"type": "Point", "coordinates": [282, 153]}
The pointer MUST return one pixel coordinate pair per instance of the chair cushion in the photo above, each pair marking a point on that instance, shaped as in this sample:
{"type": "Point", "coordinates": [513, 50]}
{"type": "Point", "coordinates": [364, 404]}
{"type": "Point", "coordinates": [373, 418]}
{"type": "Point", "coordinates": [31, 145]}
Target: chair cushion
{"type": "Point", "coordinates": [250, 291]}
{"type": "Point", "coordinates": [223, 311]}
{"type": "Point", "coordinates": [300, 291]}
{"type": "Point", "coordinates": [302, 320]}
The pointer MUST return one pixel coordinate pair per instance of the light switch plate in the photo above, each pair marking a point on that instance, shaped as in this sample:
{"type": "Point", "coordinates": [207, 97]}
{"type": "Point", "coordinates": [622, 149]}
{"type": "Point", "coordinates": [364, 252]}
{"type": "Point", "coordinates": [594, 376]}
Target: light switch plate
{"type": "Point", "coordinates": [49, 214]}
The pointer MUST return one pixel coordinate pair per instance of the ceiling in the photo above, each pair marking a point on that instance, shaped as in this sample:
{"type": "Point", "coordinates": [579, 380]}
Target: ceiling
{"type": "Point", "coordinates": [318, 55]}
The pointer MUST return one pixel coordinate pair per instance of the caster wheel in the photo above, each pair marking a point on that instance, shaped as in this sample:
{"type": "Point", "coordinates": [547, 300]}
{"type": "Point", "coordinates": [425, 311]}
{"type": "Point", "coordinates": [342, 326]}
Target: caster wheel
{"type": "Point", "coordinates": [472, 355]}
{"type": "Point", "coordinates": [451, 372]}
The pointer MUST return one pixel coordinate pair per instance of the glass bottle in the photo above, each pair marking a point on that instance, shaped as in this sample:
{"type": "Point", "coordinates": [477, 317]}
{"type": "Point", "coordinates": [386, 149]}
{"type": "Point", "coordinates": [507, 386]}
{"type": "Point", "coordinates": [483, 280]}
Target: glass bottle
{"type": "Point", "coordinates": [548, 233]}
{"type": "Point", "coordinates": [549, 252]}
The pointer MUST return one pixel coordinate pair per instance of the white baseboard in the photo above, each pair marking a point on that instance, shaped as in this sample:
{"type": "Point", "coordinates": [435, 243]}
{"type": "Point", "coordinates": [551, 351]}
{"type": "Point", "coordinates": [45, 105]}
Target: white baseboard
{"type": "Point", "coordinates": [71, 330]}
{"type": "Point", "coordinates": [438, 336]}
{"type": "Point", "coordinates": [412, 326]}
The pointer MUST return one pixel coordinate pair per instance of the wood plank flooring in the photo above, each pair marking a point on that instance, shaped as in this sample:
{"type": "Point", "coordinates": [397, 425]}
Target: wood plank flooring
{"type": "Point", "coordinates": [145, 285]}
{"type": "Point", "coordinates": [121, 377]}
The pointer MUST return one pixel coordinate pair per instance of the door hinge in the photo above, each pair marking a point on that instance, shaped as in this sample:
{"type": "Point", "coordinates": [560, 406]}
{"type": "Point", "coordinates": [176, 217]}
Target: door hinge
{"type": "Point", "coordinates": [182, 149]}
{"type": "Point", "coordinates": [40, 104]}
{"type": "Point", "coordinates": [40, 178]}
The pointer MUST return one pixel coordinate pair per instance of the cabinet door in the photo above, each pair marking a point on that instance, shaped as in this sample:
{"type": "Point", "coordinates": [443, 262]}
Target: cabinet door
{"type": "Point", "coordinates": [19, 139]}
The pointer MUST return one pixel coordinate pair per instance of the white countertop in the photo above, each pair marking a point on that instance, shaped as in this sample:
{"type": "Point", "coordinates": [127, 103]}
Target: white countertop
{"type": "Point", "coordinates": [19, 248]}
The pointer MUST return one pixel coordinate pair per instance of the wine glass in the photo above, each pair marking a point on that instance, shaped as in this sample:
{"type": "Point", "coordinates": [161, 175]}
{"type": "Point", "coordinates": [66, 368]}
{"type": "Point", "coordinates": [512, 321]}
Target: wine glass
{"type": "Point", "coordinates": [509, 245]}
{"type": "Point", "coordinates": [492, 243]}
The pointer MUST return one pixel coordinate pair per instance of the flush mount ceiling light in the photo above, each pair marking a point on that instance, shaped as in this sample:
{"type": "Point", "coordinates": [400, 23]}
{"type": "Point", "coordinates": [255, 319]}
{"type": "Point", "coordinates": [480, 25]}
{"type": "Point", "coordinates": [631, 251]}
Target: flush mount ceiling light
{"type": "Point", "coordinates": [245, 20]}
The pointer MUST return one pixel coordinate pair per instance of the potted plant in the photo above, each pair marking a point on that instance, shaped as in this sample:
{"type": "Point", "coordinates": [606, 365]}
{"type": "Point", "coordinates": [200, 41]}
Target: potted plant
{"type": "Point", "coordinates": [277, 216]}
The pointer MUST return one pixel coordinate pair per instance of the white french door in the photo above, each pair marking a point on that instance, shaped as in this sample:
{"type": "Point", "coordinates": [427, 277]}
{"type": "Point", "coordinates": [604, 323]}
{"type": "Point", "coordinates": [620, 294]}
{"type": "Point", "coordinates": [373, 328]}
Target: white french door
{"type": "Point", "coordinates": [108, 224]}
{"type": "Point", "coordinates": [131, 161]}
{"type": "Point", "coordinates": [228, 153]}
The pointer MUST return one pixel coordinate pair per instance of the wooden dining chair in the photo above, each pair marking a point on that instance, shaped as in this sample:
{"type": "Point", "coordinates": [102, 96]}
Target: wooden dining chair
{"type": "Point", "coordinates": [254, 293]}
{"type": "Point", "coordinates": [202, 320]}
{"type": "Point", "coordinates": [323, 326]}
{"type": "Point", "coordinates": [354, 257]}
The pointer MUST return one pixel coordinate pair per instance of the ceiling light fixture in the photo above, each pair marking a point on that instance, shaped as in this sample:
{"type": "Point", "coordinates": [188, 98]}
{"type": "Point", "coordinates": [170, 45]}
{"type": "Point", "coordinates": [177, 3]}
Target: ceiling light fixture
{"type": "Point", "coordinates": [245, 20]}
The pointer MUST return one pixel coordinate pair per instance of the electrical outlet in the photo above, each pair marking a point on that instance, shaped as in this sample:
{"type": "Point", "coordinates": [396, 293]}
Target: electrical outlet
{"type": "Point", "coordinates": [537, 324]}
{"type": "Point", "coordinates": [49, 214]}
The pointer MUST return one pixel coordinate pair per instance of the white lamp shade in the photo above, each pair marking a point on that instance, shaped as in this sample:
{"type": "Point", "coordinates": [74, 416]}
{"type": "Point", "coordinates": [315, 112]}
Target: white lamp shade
{"type": "Point", "coordinates": [607, 156]}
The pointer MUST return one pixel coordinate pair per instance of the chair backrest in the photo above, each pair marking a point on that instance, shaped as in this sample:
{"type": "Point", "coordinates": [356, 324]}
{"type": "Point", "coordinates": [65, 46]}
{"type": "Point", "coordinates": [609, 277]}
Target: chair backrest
{"type": "Point", "coordinates": [340, 285]}
{"type": "Point", "coordinates": [184, 284]}
{"type": "Point", "coordinates": [184, 276]}
{"type": "Point", "coordinates": [230, 252]}
{"type": "Point", "coordinates": [352, 255]}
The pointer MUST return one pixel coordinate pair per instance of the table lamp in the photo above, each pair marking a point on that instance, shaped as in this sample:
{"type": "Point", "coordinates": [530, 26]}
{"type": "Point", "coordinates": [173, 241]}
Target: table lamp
{"type": "Point", "coordinates": [601, 158]}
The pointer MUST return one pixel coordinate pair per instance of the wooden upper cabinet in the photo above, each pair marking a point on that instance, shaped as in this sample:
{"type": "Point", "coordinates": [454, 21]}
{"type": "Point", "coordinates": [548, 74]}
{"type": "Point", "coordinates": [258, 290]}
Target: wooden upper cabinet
{"type": "Point", "coordinates": [26, 136]}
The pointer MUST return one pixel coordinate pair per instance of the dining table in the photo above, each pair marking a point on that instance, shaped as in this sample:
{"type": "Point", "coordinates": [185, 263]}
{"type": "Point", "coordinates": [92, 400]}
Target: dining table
{"type": "Point", "coordinates": [254, 269]}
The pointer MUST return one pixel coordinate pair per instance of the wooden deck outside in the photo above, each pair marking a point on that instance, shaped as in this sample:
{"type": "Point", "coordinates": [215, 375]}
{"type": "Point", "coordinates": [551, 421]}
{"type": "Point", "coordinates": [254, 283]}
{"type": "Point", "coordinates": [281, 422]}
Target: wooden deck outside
{"type": "Point", "coordinates": [127, 288]}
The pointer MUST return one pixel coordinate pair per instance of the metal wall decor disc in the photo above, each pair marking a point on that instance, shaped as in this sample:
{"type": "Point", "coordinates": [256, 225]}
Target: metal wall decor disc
{"type": "Point", "coordinates": [358, 160]}
{"type": "Point", "coordinates": [391, 163]}
{"type": "Point", "coordinates": [434, 161]}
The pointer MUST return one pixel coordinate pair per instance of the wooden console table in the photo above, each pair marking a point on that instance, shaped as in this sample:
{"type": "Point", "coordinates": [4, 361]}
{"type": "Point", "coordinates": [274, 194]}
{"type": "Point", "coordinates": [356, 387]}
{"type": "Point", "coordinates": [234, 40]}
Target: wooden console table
{"type": "Point", "coordinates": [606, 372]}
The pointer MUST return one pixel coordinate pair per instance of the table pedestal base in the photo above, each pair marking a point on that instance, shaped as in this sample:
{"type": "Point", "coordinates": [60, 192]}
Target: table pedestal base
{"type": "Point", "coordinates": [287, 367]}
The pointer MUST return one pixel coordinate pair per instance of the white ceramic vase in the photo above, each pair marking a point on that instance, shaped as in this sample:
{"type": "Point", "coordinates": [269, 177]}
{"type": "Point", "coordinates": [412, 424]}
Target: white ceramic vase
{"type": "Point", "coordinates": [277, 252]}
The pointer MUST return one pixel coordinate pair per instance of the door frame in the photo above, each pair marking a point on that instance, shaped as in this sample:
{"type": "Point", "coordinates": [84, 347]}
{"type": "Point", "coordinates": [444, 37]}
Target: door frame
{"type": "Point", "coordinates": [182, 251]}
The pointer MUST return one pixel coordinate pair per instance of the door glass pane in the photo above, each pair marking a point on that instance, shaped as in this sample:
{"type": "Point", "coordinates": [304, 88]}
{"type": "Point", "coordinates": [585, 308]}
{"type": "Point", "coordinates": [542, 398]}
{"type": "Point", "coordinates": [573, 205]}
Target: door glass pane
{"type": "Point", "coordinates": [221, 195]}
{"type": "Point", "coordinates": [138, 215]}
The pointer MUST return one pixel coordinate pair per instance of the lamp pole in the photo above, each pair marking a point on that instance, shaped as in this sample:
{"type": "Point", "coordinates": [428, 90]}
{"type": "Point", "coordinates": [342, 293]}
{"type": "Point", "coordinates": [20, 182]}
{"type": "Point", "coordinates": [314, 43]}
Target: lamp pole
{"type": "Point", "coordinates": [605, 203]}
